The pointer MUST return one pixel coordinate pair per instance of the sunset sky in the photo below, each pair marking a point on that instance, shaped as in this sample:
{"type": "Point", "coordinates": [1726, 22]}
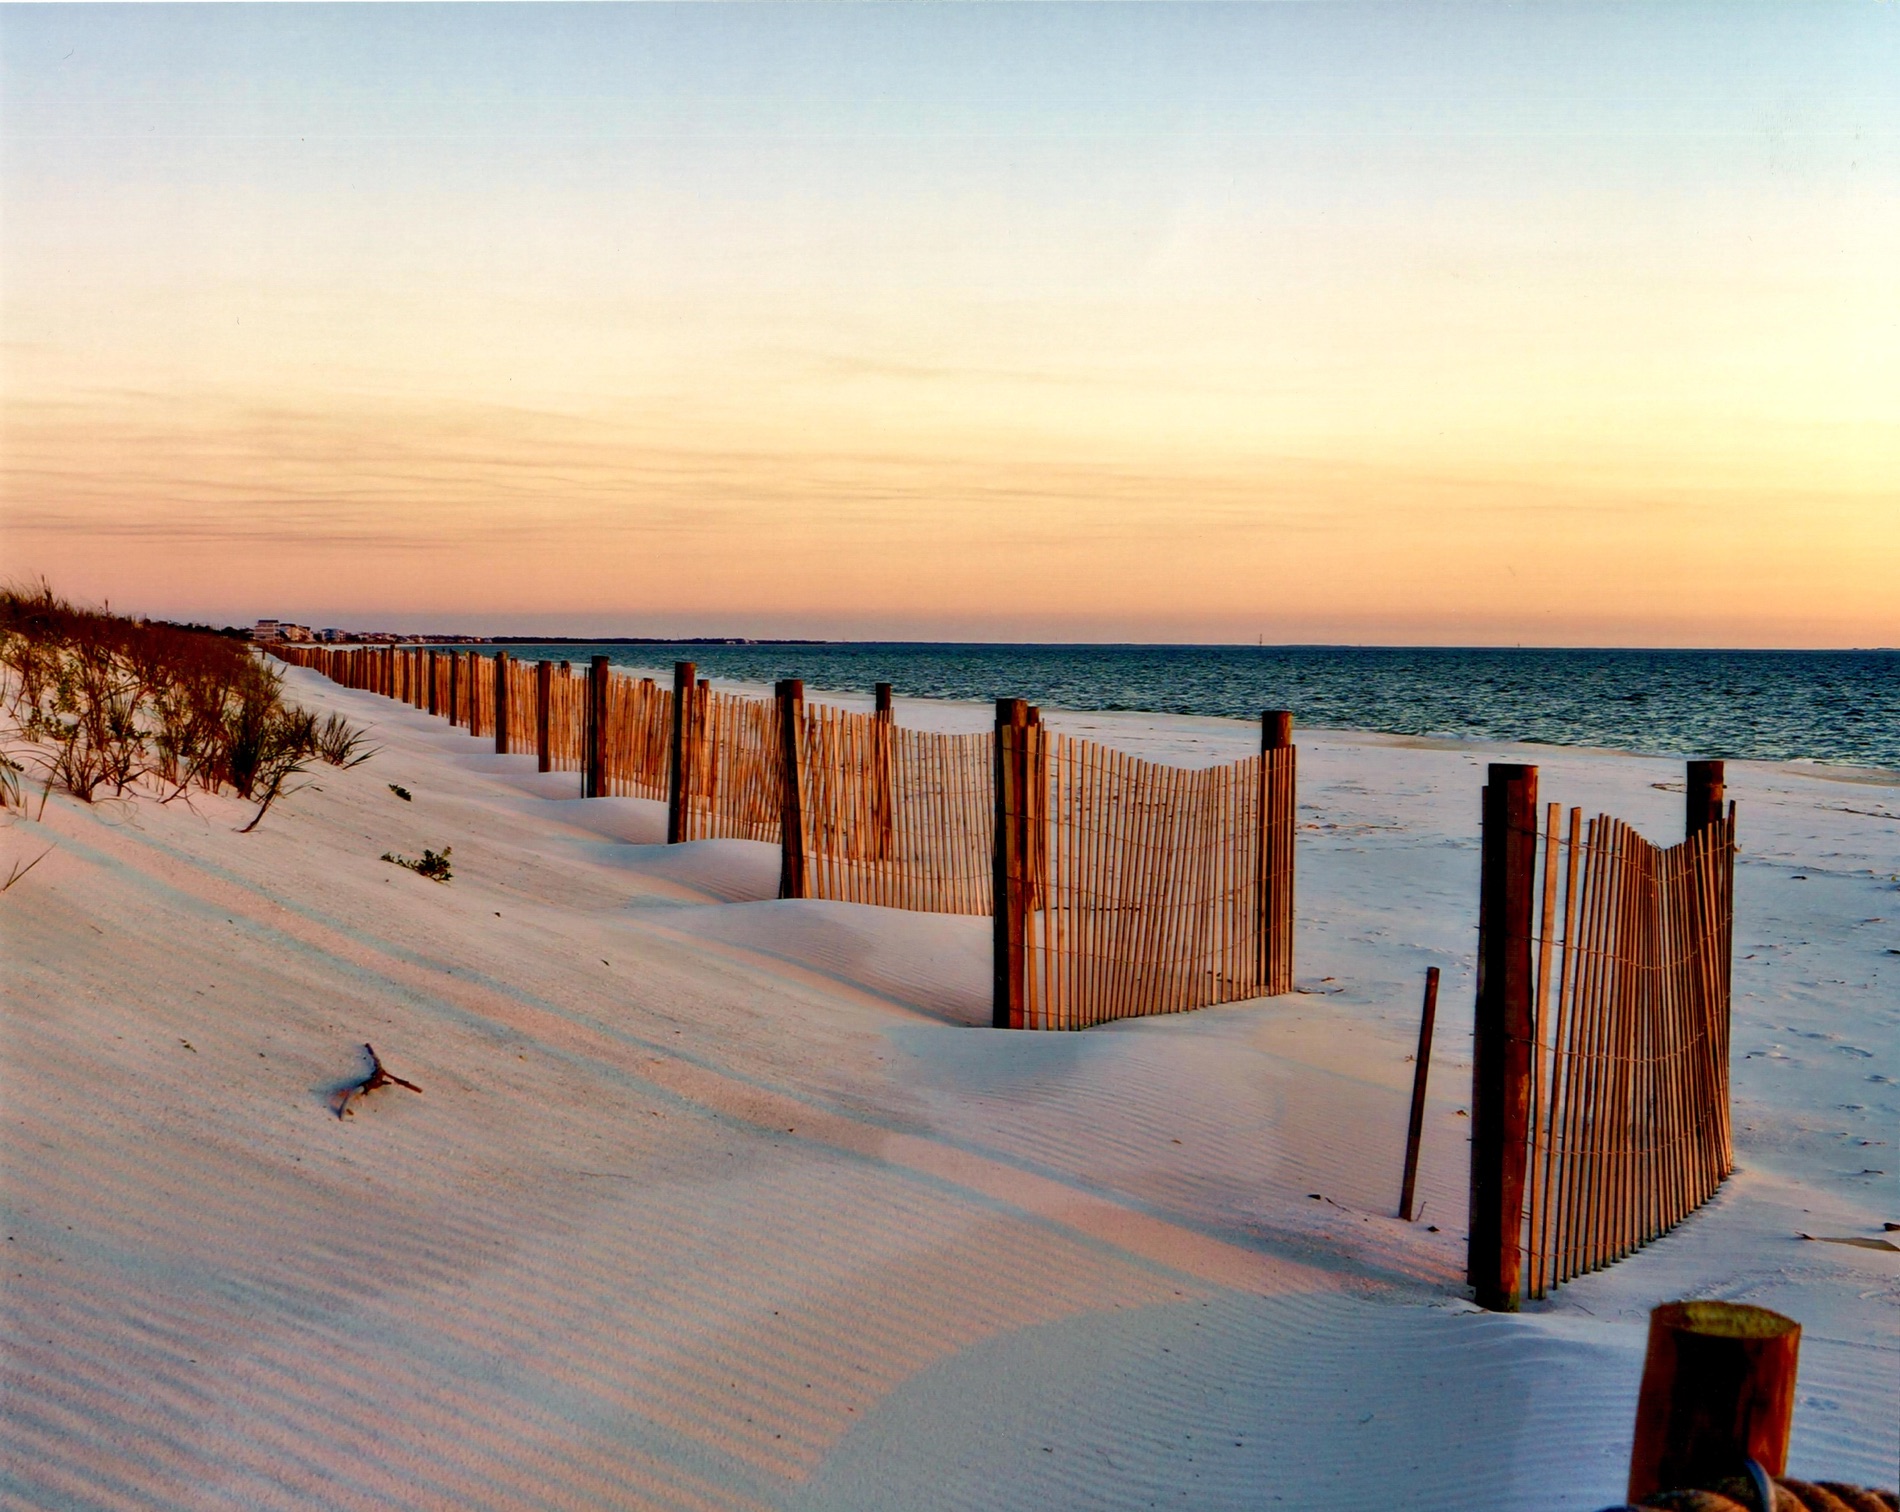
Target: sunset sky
{"type": "Point", "coordinates": [1474, 324]}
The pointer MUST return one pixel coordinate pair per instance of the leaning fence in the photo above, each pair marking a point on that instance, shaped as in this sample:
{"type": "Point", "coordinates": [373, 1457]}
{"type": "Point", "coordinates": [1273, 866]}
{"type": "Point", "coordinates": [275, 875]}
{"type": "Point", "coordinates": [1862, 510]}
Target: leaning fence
{"type": "Point", "coordinates": [1629, 1125]}
{"type": "Point", "coordinates": [1117, 886]}
{"type": "Point", "coordinates": [1600, 1089]}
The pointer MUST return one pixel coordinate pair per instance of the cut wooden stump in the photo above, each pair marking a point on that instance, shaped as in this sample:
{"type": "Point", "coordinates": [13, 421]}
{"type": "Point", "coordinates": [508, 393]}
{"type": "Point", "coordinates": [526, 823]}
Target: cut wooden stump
{"type": "Point", "coordinates": [377, 1077]}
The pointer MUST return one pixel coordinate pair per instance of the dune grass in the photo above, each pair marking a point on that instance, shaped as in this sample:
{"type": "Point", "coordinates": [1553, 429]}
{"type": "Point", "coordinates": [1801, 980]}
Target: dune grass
{"type": "Point", "coordinates": [108, 705]}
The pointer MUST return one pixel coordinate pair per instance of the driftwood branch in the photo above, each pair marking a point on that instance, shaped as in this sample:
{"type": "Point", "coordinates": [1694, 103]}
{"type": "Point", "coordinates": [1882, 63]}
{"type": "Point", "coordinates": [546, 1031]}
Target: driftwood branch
{"type": "Point", "coordinates": [377, 1077]}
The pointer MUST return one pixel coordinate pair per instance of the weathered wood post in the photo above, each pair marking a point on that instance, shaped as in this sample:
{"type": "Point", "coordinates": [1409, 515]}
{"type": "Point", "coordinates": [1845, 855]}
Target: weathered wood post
{"type": "Point", "coordinates": [1421, 1071]}
{"type": "Point", "coordinates": [544, 715]}
{"type": "Point", "coordinates": [1501, 1049]}
{"type": "Point", "coordinates": [594, 736]}
{"type": "Point", "coordinates": [502, 730]}
{"type": "Point", "coordinates": [883, 817]}
{"type": "Point", "coordinates": [454, 710]}
{"type": "Point", "coordinates": [435, 699]}
{"type": "Point", "coordinates": [1278, 820]}
{"type": "Point", "coordinates": [1718, 1391]}
{"type": "Point", "coordinates": [791, 724]}
{"type": "Point", "coordinates": [1705, 790]}
{"type": "Point", "coordinates": [679, 773]}
{"type": "Point", "coordinates": [1010, 878]}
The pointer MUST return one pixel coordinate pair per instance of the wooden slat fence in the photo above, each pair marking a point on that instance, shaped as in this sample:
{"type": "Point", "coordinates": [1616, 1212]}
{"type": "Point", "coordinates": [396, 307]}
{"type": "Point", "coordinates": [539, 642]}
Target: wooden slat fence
{"type": "Point", "coordinates": [1120, 887]}
{"type": "Point", "coordinates": [479, 676]}
{"type": "Point", "coordinates": [639, 721]}
{"type": "Point", "coordinates": [1146, 888]}
{"type": "Point", "coordinates": [733, 785]}
{"type": "Point", "coordinates": [1629, 1117]}
{"type": "Point", "coordinates": [896, 817]}
{"type": "Point", "coordinates": [520, 693]}
{"type": "Point", "coordinates": [567, 719]}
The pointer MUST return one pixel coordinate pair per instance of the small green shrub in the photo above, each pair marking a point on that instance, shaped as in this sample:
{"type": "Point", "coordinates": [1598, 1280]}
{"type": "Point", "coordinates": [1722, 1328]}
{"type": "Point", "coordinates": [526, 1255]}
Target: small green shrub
{"type": "Point", "coordinates": [431, 864]}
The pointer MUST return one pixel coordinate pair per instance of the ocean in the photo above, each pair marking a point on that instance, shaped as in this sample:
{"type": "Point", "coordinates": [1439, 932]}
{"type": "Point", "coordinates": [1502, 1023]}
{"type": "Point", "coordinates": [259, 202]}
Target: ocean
{"type": "Point", "coordinates": [1838, 707]}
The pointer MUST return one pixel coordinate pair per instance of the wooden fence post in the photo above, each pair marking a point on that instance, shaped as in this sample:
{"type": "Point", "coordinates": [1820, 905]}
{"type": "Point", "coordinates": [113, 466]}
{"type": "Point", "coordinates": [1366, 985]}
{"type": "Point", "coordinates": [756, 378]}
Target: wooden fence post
{"type": "Point", "coordinates": [1421, 1070]}
{"type": "Point", "coordinates": [1278, 817]}
{"type": "Point", "coordinates": [502, 731]}
{"type": "Point", "coordinates": [680, 768]}
{"type": "Point", "coordinates": [543, 715]}
{"type": "Point", "coordinates": [883, 811]}
{"type": "Point", "coordinates": [1501, 1049]}
{"type": "Point", "coordinates": [791, 722]}
{"type": "Point", "coordinates": [594, 737]}
{"type": "Point", "coordinates": [1718, 1391]}
{"type": "Point", "coordinates": [1705, 789]}
{"type": "Point", "coordinates": [1010, 879]}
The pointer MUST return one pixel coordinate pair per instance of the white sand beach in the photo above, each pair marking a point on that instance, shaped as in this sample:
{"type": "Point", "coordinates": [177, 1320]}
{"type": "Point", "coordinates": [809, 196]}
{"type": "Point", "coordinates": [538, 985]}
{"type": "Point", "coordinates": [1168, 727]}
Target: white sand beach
{"type": "Point", "coordinates": [712, 1201]}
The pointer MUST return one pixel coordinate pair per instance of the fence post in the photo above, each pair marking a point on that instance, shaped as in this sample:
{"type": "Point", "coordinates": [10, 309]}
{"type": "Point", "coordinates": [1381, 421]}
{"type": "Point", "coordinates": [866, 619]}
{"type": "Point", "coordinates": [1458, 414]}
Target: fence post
{"type": "Point", "coordinates": [1705, 789]}
{"type": "Point", "coordinates": [883, 813]}
{"type": "Point", "coordinates": [543, 715]}
{"type": "Point", "coordinates": [1278, 815]}
{"type": "Point", "coordinates": [1009, 873]}
{"type": "Point", "coordinates": [435, 701]}
{"type": "Point", "coordinates": [1501, 1048]}
{"type": "Point", "coordinates": [791, 723]}
{"type": "Point", "coordinates": [1421, 1071]}
{"type": "Point", "coordinates": [502, 731]}
{"type": "Point", "coordinates": [594, 732]}
{"type": "Point", "coordinates": [1718, 1391]}
{"type": "Point", "coordinates": [680, 768]}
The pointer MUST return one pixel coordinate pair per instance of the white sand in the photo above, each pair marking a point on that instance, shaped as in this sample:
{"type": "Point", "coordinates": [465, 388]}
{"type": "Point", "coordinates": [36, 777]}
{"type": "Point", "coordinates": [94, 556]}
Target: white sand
{"type": "Point", "coordinates": [712, 1201]}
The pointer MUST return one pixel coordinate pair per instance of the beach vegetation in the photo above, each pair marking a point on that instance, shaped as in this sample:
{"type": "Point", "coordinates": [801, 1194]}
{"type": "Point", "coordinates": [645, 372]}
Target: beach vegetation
{"type": "Point", "coordinates": [431, 864]}
{"type": "Point", "coordinates": [107, 704]}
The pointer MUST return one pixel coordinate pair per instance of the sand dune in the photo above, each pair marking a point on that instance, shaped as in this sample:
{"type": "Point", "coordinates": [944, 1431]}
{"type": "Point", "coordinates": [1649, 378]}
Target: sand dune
{"type": "Point", "coordinates": [715, 1202]}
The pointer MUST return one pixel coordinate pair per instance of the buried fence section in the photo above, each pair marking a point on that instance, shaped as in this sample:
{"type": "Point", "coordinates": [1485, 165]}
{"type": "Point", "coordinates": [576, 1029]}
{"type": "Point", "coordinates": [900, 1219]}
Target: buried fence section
{"type": "Point", "coordinates": [639, 716]}
{"type": "Point", "coordinates": [567, 719]}
{"type": "Point", "coordinates": [895, 817]}
{"type": "Point", "coordinates": [1118, 887]}
{"type": "Point", "coordinates": [484, 676]}
{"type": "Point", "coordinates": [517, 707]}
{"type": "Point", "coordinates": [733, 787]}
{"type": "Point", "coordinates": [1617, 1053]}
{"type": "Point", "coordinates": [1125, 888]}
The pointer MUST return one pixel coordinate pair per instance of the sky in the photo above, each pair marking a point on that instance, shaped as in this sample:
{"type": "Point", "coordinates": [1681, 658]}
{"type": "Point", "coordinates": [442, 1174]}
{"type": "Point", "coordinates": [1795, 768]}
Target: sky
{"type": "Point", "coordinates": [1474, 324]}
